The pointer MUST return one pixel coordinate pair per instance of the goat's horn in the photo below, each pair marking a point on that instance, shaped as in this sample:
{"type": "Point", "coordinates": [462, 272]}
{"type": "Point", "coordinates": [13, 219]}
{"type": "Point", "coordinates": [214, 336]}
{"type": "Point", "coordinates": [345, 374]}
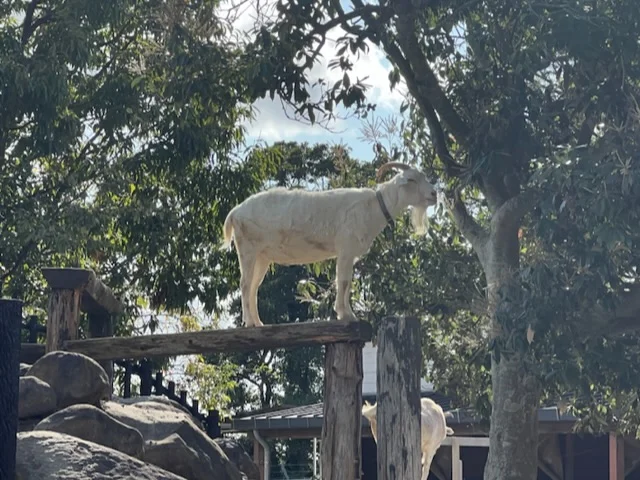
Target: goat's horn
{"type": "Point", "coordinates": [388, 166]}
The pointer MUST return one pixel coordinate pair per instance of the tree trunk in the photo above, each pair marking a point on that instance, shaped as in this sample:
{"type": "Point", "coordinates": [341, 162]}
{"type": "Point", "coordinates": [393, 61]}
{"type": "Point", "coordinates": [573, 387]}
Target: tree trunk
{"type": "Point", "coordinates": [513, 452]}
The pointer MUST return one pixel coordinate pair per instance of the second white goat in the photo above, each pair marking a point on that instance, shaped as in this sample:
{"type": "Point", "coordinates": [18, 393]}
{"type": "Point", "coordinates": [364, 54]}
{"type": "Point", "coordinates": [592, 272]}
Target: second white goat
{"type": "Point", "coordinates": [295, 227]}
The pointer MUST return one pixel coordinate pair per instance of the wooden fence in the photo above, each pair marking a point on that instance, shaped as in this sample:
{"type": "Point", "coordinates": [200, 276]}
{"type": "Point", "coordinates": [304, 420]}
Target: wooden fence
{"type": "Point", "coordinates": [398, 381]}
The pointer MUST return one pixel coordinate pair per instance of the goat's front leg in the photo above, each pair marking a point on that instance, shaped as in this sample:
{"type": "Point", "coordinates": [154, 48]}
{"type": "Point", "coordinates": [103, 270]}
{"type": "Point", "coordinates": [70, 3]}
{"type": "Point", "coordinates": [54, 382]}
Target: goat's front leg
{"type": "Point", "coordinates": [344, 276]}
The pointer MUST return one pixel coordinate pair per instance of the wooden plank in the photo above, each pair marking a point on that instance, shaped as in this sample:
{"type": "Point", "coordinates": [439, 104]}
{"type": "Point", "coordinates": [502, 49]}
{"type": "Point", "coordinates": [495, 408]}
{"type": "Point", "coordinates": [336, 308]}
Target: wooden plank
{"type": "Point", "coordinates": [341, 447]}
{"type": "Point", "coordinates": [10, 323]}
{"type": "Point", "coordinates": [616, 457]}
{"type": "Point", "coordinates": [456, 462]}
{"type": "Point", "coordinates": [398, 399]}
{"type": "Point", "coordinates": [63, 317]}
{"type": "Point", "coordinates": [96, 296]}
{"type": "Point", "coordinates": [31, 352]}
{"type": "Point", "coordinates": [289, 335]}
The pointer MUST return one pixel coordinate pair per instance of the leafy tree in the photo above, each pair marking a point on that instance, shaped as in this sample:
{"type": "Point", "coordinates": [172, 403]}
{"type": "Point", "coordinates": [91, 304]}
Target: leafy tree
{"type": "Point", "coordinates": [120, 128]}
{"type": "Point", "coordinates": [527, 113]}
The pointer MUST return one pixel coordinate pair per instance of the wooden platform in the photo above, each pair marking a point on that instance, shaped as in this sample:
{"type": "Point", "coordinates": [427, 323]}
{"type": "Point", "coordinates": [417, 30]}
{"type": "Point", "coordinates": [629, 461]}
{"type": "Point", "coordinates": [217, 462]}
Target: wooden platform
{"type": "Point", "coordinates": [289, 335]}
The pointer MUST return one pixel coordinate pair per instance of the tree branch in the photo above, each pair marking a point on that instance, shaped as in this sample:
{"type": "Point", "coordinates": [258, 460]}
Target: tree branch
{"type": "Point", "coordinates": [509, 214]}
{"type": "Point", "coordinates": [469, 228]}
{"type": "Point", "coordinates": [342, 18]}
{"type": "Point", "coordinates": [28, 25]}
{"type": "Point", "coordinates": [428, 85]}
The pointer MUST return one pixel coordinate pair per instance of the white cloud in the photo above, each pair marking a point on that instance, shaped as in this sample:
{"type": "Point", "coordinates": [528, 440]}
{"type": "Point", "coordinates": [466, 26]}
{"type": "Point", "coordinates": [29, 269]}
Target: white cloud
{"type": "Point", "coordinates": [274, 121]}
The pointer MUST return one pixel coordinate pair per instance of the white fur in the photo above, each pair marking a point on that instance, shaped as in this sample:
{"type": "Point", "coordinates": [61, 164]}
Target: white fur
{"type": "Point", "coordinates": [294, 227]}
{"type": "Point", "coordinates": [433, 429]}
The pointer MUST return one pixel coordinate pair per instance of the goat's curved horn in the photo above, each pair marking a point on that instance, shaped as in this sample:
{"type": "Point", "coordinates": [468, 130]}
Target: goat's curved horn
{"type": "Point", "coordinates": [388, 166]}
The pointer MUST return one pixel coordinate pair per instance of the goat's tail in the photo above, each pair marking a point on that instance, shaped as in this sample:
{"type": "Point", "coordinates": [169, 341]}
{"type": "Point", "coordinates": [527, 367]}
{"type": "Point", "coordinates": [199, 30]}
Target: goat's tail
{"type": "Point", "coordinates": [228, 231]}
{"type": "Point", "coordinates": [449, 430]}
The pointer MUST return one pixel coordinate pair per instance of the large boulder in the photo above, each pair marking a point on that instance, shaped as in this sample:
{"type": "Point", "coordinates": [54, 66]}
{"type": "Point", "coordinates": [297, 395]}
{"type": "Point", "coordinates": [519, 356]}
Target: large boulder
{"type": "Point", "coordinates": [36, 398]}
{"type": "Point", "coordinates": [74, 377]}
{"type": "Point", "coordinates": [90, 423]}
{"type": "Point", "coordinates": [239, 458]}
{"type": "Point", "coordinates": [24, 368]}
{"type": "Point", "coordinates": [197, 456]}
{"type": "Point", "coordinates": [44, 455]}
{"type": "Point", "coordinates": [165, 403]}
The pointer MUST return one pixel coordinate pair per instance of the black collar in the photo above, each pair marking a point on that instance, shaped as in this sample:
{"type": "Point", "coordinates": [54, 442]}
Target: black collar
{"type": "Point", "coordinates": [383, 207]}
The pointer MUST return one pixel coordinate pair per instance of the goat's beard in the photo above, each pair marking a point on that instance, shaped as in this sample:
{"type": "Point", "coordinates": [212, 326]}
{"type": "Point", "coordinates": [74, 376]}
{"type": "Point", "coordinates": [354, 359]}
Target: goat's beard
{"type": "Point", "coordinates": [419, 219]}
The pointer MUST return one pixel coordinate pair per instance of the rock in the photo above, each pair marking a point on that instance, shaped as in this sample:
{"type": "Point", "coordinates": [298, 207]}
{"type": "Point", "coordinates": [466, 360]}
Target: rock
{"type": "Point", "coordinates": [74, 377]}
{"type": "Point", "coordinates": [239, 458]}
{"type": "Point", "coordinates": [44, 455]}
{"type": "Point", "coordinates": [36, 399]}
{"type": "Point", "coordinates": [90, 423]}
{"type": "Point", "coordinates": [24, 368]}
{"type": "Point", "coordinates": [167, 402]}
{"type": "Point", "coordinates": [159, 423]}
{"type": "Point", "coordinates": [184, 460]}
{"type": "Point", "coordinates": [27, 424]}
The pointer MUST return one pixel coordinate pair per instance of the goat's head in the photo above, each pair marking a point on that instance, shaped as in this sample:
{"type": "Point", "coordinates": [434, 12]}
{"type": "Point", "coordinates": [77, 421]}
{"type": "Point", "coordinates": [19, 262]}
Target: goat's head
{"type": "Point", "coordinates": [415, 190]}
{"type": "Point", "coordinates": [369, 412]}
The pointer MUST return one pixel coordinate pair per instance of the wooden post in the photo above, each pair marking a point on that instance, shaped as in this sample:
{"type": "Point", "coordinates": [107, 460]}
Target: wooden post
{"type": "Point", "coordinates": [213, 424]}
{"type": "Point", "coordinates": [101, 326]}
{"type": "Point", "coordinates": [63, 317]}
{"type": "Point", "coordinates": [341, 449]}
{"type": "Point", "coordinates": [616, 457]}
{"type": "Point", "coordinates": [398, 399]}
{"type": "Point", "coordinates": [568, 457]}
{"type": "Point", "coordinates": [146, 380]}
{"type": "Point", "coordinates": [10, 324]}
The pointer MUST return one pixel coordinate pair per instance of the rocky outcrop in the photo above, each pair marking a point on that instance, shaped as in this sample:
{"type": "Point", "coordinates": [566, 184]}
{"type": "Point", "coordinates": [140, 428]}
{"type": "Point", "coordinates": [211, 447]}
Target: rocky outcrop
{"type": "Point", "coordinates": [44, 455]}
{"type": "Point", "coordinates": [89, 436]}
{"type": "Point", "coordinates": [239, 458]}
{"type": "Point", "coordinates": [24, 368]}
{"type": "Point", "coordinates": [166, 429]}
{"type": "Point", "coordinates": [74, 377]}
{"type": "Point", "coordinates": [36, 398]}
{"type": "Point", "coordinates": [90, 423]}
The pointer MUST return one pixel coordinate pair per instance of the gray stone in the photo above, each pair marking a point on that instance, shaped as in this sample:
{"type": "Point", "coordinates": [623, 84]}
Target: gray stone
{"type": "Point", "coordinates": [90, 423]}
{"type": "Point", "coordinates": [239, 458]}
{"type": "Point", "coordinates": [44, 455]}
{"type": "Point", "coordinates": [24, 368]}
{"type": "Point", "coordinates": [158, 423]}
{"type": "Point", "coordinates": [74, 377]}
{"type": "Point", "coordinates": [36, 399]}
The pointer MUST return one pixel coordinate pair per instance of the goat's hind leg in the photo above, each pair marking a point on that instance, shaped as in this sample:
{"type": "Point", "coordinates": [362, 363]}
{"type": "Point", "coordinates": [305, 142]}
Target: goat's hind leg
{"type": "Point", "coordinates": [259, 271]}
{"type": "Point", "coordinates": [344, 276]}
{"type": "Point", "coordinates": [247, 260]}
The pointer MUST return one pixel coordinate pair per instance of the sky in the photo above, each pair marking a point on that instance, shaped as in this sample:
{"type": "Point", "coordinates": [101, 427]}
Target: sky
{"type": "Point", "coordinates": [272, 123]}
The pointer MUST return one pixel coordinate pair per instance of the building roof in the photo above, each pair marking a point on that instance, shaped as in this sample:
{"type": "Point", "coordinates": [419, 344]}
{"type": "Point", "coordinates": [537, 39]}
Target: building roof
{"type": "Point", "coordinates": [310, 417]}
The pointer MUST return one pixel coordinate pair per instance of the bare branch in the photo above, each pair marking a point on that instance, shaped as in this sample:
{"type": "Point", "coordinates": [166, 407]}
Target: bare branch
{"type": "Point", "coordinates": [28, 25]}
{"type": "Point", "coordinates": [342, 18]}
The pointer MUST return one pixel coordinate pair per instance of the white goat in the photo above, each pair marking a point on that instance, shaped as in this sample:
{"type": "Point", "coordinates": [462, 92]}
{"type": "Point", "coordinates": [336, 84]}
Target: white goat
{"type": "Point", "coordinates": [433, 429]}
{"type": "Point", "coordinates": [295, 227]}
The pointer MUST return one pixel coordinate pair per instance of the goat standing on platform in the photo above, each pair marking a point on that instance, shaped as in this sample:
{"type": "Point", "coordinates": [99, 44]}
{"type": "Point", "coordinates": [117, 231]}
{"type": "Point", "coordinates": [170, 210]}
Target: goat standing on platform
{"type": "Point", "coordinates": [295, 227]}
{"type": "Point", "coordinates": [433, 429]}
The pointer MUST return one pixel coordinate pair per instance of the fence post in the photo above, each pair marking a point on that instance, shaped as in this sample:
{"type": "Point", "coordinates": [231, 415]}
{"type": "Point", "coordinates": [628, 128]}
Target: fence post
{"type": "Point", "coordinates": [342, 416]}
{"type": "Point", "coordinates": [398, 399]}
{"type": "Point", "coordinates": [146, 380]}
{"type": "Point", "coordinates": [10, 324]}
{"type": "Point", "coordinates": [213, 424]}
{"type": "Point", "coordinates": [63, 317]}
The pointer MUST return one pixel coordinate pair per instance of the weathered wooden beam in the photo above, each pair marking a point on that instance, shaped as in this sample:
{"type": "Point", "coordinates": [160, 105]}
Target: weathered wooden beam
{"type": "Point", "coordinates": [96, 296]}
{"type": "Point", "coordinates": [398, 398]}
{"type": "Point", "coordinates": [288, 335]}
{"type": "Point", "coordinates": [10, 322]}
{"type": "Point", "coordinates": [341, 448]}
{"type": "Point", "coordinates": [63, 317]}
{"type": "Point", "coordinates": [31, 352]}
